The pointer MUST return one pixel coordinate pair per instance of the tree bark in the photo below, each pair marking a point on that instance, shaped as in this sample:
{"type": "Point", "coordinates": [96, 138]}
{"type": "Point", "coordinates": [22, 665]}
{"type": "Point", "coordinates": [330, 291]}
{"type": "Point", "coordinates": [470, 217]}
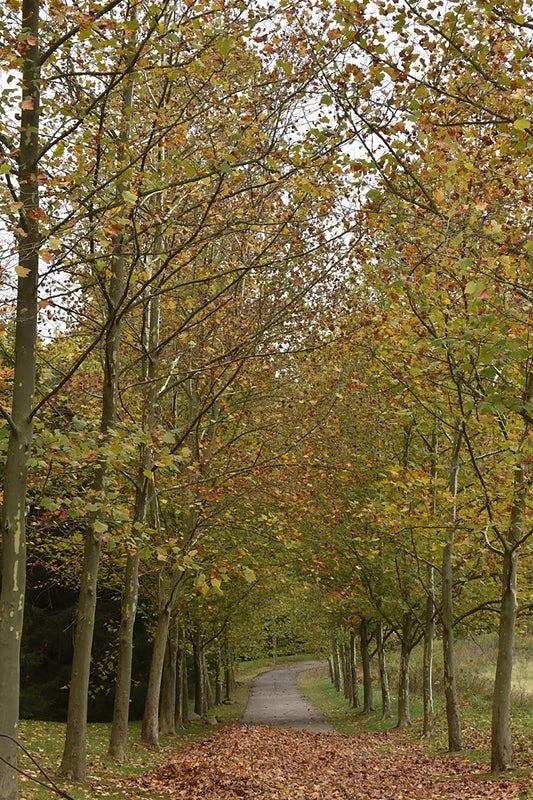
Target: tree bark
{"type": "Point", "coordinates": [356, 701]}
{"type": "Point", "coordinates": [200, 700]}
{"type": "Point", "coordinates": [335, 665]}
{"type": "Point", "coordinates": [383, 674]}
{"type": "Point", "coordinates": [346, 671]}
{"type": "Point", "coordinates": [20, 420]}
{"type": "Point", "coordinates": [429, 635]}
{"type": "Point", "coordinates": [150, 724]}
{"type": "Point", "coordinates": [404, 714]}
{"type": "Point", "coordinates": [184, 684]}
{"type": "Point", "coordinates": [229, 680]}
{"type": "Point", "coordinates": [368, 695]}
{"type": "Point", "coordinates": [73, 764]}
{"type": "Point", "coordinates": [118, 742]}
{"type": "Point", "coordinates": [448, 646]}
{"type": "Point", "coordinates": [502, 757]}
{"type": "Point", "coordinates": [209, 702]}
{"type": "Point", "coordinates": [219, 682]}
{"type": "Point", "coordinates": [167, 714]}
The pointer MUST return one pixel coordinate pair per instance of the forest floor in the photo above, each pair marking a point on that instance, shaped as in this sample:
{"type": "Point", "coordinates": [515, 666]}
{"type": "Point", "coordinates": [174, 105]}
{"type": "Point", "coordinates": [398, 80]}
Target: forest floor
{"type": "Point", "coordinates": [371, 759]}
{"type": "Point", "coordinates": [286, 750]}
{"type": "Point", "coordinates": [243, 762]}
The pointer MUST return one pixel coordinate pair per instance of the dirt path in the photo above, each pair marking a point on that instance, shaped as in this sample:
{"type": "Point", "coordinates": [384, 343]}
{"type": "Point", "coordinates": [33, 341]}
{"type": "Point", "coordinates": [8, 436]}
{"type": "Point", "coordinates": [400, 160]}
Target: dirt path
{"type": "Point", "coordinates": [276, 699]}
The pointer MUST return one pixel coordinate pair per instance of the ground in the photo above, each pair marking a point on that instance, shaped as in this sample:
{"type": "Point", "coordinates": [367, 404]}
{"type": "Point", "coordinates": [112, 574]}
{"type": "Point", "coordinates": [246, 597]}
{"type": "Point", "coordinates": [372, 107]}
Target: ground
{"type": "Point", "coordinates": [267, 763]}
{"type": "Point", "coordinates": [298, 757]}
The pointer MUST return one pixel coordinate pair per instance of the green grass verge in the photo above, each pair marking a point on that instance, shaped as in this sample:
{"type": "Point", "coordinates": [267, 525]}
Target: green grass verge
{"type": "Point", "coordinates": [475, 719]}
{"type": "Point", "coordinates": [45, 740]}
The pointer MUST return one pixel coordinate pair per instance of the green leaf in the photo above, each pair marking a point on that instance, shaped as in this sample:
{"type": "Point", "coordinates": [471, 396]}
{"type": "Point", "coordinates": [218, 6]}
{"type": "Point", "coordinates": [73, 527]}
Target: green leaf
{"type": "Point", "coordinates": [249, 575]}
{"type": "Point", "coordinates": [224, 45]}
{"type": "Point", "coordinates": [99, 527]}
{"type": "Point", "coordinates": [522, 124]}
{"type": "Point", "coordinates": [129, 197]}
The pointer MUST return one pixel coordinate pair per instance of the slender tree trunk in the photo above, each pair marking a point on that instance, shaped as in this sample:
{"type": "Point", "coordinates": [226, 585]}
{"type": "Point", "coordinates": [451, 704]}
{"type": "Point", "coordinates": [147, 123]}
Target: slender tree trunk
{"type": "Point", "coordinates": [118, 743]}
{"type": "Point", "coordinates": [167, 715]}
{"type": "Point", "coordinates": [502, 757]}
{"type": "Point", "coordinates": [502, 746]}
{"type": "Point", "coordinates": [209, 702]}
{"type": "Point", "coordinates": [119, 729]}
{"type": "Point", "coordinates": [429, 625]}
{"type": "Point", "coordinates": [336, 668]}
{"type": "Point", "coordinates": [383, 674]}
{"type": "Point", "coordinates": [450, 688]}
{"type": "Point", "coordinates": [356, 701]}
{"type": "Point", "coordinates": [346, 671]}
{"type": "Point", "coordinates": [229, 678]}
{"type": "Point", "coordinates": [184, 685]}
{"type": "Point", "coordinates": [448, 646]}
{"type": "Point", "coordinates": [200, 702]}
{"type": "Point", "coordinates": [404, 714]}
{"type": "Point", "coordinates": [429, 635]}
{"type": "Point", "coordinates": [178, 719]}
{"type": "Point", "coordinates": [150, 724]}
{"type": "Point", "coordinates": [219, 683]}
{"type": "Point", "coordinates": [73, 764]}
{"type": "Point", "coordinates": [20, 420]}
{"type": "Point", "coordinates": [368, 695]}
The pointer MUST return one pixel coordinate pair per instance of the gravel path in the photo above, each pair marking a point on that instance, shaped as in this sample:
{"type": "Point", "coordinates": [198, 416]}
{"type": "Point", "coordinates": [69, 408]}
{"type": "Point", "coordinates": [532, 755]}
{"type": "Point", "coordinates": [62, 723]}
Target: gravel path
{"type": "Point", "coordinates": [276, 699]}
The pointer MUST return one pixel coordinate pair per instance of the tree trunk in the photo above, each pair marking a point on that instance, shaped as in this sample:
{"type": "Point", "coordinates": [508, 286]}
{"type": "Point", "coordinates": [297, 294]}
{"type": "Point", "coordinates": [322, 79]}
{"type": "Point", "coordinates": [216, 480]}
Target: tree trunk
{"type": "Point", "coordinates": [346, 671]}
{"type": "Point", "coordinates": [356, 701]}
{"type": "Point", "coordinates": [448, 646]}
{"type": "Point", "coordinates": [20, 421]}
{"type": "Point", "coordinates": [368, 695]}
{"type": "Point", "coordinates": [429, 634]}
{"type": "Point", "coordinates": [73, 764]}
{"type": "Point", "coordinates": [219, 683]}
{"type": "Point", "coordinates": [502, 747]}
{"type": "Point", "coordinates": [429, 625]}
{"type": "Point", "coordinates": [150, 724]}
{"type": "Point", "coordinates": [118, 743]}
{"type": "Point", "coordinates": [336, 667]}
{"type": "Point", "coordinates": [448, 649]}
{"type": "Point", "coordinates": [383, 674]}
{"type": "Point", "coordinates": [200, 702]}
{"type": "Point", "coordinates": [167, 715]}
{"type": "Point", "coordinates": [184, 685]}
{"type": "Point", "coordinates": [229, 680]}
{"type": "Point", "coordinates": [209, 702]}
{"type": "Point", "coordinates": [404, 714]}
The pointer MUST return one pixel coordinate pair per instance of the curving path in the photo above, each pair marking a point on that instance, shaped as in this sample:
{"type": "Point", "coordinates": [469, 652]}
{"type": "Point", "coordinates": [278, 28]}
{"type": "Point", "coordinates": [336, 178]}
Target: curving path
{"type": "Point", "coordinates": [277, 700]}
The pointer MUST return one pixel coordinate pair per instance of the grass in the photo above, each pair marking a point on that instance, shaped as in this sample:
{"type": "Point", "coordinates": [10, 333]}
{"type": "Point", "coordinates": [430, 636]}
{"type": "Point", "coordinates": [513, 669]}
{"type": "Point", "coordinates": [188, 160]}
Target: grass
{"type": "Point", "coordinates": [475, 659]}
{"type": "Point", "coordinates": [475, 675]}
{"type": "Point", "coordinates": [45, 740]}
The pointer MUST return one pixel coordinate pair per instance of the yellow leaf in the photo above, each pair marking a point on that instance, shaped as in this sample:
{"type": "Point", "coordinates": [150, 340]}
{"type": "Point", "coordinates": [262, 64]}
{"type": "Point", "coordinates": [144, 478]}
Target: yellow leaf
{"type": "Point", "coordinates": [22, 272]}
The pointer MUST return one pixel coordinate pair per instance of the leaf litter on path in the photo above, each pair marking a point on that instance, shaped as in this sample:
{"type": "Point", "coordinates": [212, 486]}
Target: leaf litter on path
{"type": "Point", "coordinates": [266, 763]}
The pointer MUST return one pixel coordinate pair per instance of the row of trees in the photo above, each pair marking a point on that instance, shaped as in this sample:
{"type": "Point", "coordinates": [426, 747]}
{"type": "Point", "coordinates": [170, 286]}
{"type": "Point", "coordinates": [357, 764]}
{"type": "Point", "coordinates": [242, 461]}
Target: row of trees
{"type": "Point", "coordinates": [280, 259]}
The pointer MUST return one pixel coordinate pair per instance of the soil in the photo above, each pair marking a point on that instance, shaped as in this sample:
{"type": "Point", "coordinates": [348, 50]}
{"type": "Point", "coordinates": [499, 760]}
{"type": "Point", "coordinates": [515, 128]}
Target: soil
{"type": "Point", "coordinates": [276, 699]}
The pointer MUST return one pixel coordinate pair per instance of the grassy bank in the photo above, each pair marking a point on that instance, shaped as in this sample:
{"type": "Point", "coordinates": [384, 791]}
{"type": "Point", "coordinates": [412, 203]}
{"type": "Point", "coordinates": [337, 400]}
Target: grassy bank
{"type": "Point", "coordinates": [44, 740]}
{"type": "Point", "coordinates": [476, 664]}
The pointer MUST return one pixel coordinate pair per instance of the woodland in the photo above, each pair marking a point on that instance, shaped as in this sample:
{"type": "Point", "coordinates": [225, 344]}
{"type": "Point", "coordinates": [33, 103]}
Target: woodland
{"type": "Point", "coordinates": [266, 377]}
